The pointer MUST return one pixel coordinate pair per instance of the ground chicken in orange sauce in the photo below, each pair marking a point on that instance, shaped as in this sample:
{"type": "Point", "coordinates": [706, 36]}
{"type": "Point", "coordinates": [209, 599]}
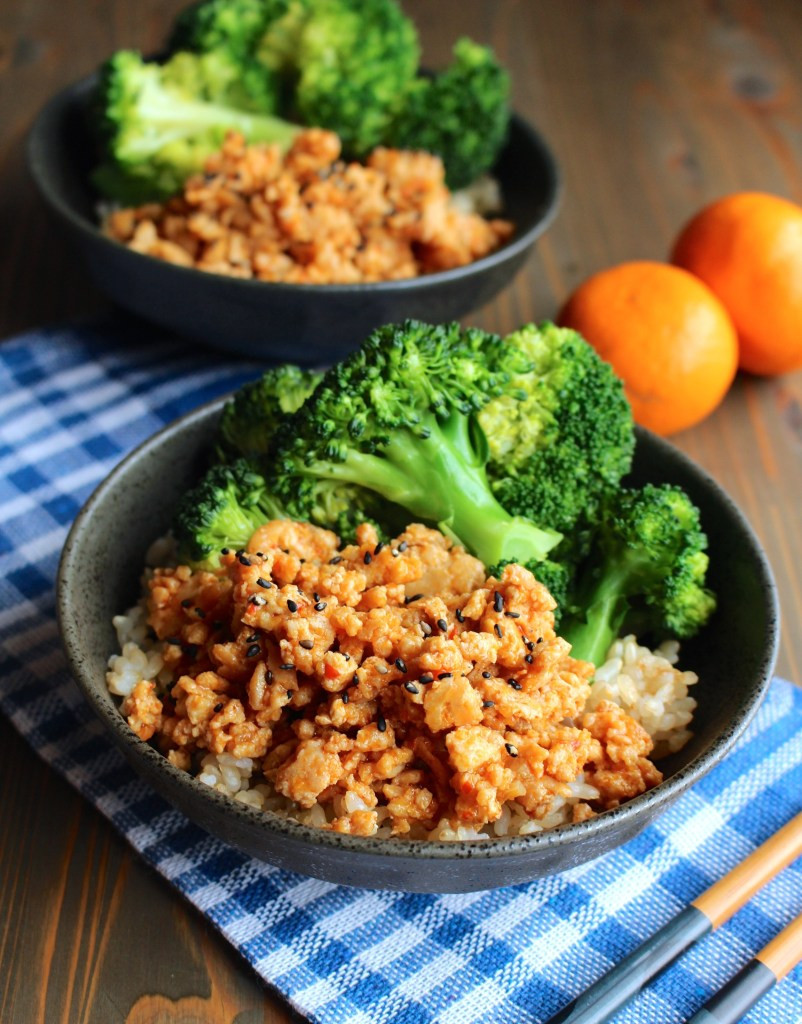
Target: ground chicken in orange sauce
{"type": "Point", "coordinates": [393, 681]}
{"type": "Point", "coordinates": [307, 217]}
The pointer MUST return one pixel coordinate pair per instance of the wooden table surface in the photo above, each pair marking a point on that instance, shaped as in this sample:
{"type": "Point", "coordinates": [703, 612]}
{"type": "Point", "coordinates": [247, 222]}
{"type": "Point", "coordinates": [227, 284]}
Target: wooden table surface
{"type": "Point", "coordinates": [653, 108]}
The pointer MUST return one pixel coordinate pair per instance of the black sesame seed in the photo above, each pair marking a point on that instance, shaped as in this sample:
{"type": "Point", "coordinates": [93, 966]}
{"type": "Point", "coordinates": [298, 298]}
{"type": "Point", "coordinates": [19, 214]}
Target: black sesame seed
{"type": "Point", "coordinates": [400, 664]}
{"type": "Point", "coordinates": [244, 560]}
{"type": "Point", "coordinates": [513, 615]}
{"type": "Point", "coordinates": [487, 675]}
{"type": "Point", "coordinates": [514, 684]}
{"type": "Point", "coordinates": [355, 678]}
{"type": "Point", "coordinates": [253, 650]}
{"type": "Point", "coordinates": [497, 629]}
{"type": "Point", "coordinates": [427, 677]}
{"type": "Point", "coordinates": [292, 605]}
{"type": "Point", "coordinates": [269, 675]}
{"type": "Point", "coordinates": [320, 606]}
{"type": "Point", "coordinates": [530, 645]}
{"type": "Point", "coordinates": [173, 640]}
{"type": "Point", "coordinates": [345, 698]}
{"type": "Point", "coordinates": [427, 629]}
{"type": "Point", "coordinates": [218, 708]}
{"type": "Point", "coordinates": [261, 582]}
{"type": "Point", "coordinates": [287, 666]}
{"type": "Point", "coordinates": [307, 644]}
{"type": "Point", "coordinates": [186, 603]}
{"type": "Point", "coordinates": [381, 723]}
{"type": "Point", "coordinates": [250, 639]}
{"type": "Point", "coordinates": [315, 595]}
{"type": "Point", "coordinates": [444, 675]}
{"type": "Point", "coordinates": [511, 750]}
{"type": "Point", "coordinates": [540, 639]}
{"type": "Point", "coordinates": [488, 704]}
{"type": "Point", "coordinates": [403, 546]}
{"type": "Point", "coordinates": [459, 615]}
{"type": "Point", "coordinates": [528, 659]}
{"type": "Point", "coordinates": [367, 558]}
{"type": "Point", "coordinates": [378, 547]}
{"type": "Point", "coordinates": [225, 551]}
{"type": "Point", "coordinates": [336, 560]}
{"type": "Point", "coordinates": [411, 688]}
{"type": "Point", "coordinates": [415, 597]}
{"type": "Point", "coordinates": [256, 599]}
{"type": "Point", "coordinates": [498, 602]}
{"type": "Point", "coordinates": [442, 624]}
{"type": "Point", "coordinates": [347, 657]}
{"type": "Point", "coordinates": [260, 554]}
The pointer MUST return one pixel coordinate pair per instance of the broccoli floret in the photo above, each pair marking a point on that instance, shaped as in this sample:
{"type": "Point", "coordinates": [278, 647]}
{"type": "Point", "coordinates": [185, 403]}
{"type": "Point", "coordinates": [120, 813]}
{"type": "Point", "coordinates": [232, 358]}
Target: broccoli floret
{"type": "Point", "coordinates": [250, 419]}
{"type": "Point", "coordinates": [354, 62]}
{"type": "Point", "coordinates": [646, 573]}
{"type": "Point", "coordinates": [461, 114]}
{"type": "Point", "coordinates": [398, 418]}
{"type": "Point", "coordinates": [159, 123]}
{"type": "Point", "coordinates": [223, 510]}
{"type": "Point", "coordinates": [561, 435]}
{"type": "Point", "coordinates": [236, 27]}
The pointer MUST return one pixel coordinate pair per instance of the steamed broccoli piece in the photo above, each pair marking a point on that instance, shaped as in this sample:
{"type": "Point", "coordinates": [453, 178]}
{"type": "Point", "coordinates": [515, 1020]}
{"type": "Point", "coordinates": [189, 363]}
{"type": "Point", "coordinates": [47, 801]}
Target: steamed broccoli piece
{"type": "Point", "coordinates": [646, 574]}
{"type": "Point", "coordinates": [398, 418]}
{"type": "Point", "coordinates": [561, 435]}
{"type": "Point", "coordinates": [235, 27]}
{"type": "Point", "coordinates": [159, 123]}
{"type": "Point", "coordinates": [354, 62]}
{"type": "Point", "coordinates": [250, 419]}
{"type": "Point", "coordinates": [462, 114]}
{"type": "Point", "coordinates": [222, 511]}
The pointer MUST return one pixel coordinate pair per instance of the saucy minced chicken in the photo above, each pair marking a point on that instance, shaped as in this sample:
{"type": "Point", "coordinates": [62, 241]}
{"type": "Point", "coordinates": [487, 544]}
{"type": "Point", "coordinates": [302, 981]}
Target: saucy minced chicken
{"type": "Point", "coordinates": [392, 681]}
{"type": "Point", "coordinates": [307, 217]}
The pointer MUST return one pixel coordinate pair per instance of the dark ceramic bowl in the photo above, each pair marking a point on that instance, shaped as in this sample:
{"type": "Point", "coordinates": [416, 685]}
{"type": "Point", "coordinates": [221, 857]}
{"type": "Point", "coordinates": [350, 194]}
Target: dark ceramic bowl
{"type": "Point", "coordinates": [303, 323]}
{"type": "Point", "coordinates": [734, 658]}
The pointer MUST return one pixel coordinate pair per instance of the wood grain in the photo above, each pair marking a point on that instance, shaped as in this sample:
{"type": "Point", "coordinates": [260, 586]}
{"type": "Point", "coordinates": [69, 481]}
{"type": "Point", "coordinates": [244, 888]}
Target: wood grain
{"type": "Point", "coordinates": [653, 107]}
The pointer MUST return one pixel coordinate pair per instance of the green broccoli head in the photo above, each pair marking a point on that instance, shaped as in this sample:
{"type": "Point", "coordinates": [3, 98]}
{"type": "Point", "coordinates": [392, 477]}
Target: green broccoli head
{"type": "Point", "coordinates": [646, 573]}
{"type": "Point", "coordinates": [251, 418]}
{"type": "Point", "coordinates": [461, 114]}
{"type": "Point", "coordinates": [235, 27]}
{"type": "Point", "coordinates": [223, 511]}
{"type": "Point", "coordinates": [398, 418]}
{"type": "Point", "coordinates": [159, 123]}
{"type": "Point", "coordinates": [355, 59]}
{"type": "Point", "coordinates": [561, 436]}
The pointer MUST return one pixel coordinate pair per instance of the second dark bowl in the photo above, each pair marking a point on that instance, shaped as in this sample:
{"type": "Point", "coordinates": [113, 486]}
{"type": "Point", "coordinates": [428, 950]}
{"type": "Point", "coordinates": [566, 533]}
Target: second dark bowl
{"type": "Point", "coordinates": [310, 324]}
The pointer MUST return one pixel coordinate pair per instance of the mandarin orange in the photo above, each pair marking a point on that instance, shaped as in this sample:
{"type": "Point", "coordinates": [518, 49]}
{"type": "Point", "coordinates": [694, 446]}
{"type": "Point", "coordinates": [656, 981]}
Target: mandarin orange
{"type": "Point", "coordinates": [747, 247]}
{"type": "Point", "coordinates": [665, 334]}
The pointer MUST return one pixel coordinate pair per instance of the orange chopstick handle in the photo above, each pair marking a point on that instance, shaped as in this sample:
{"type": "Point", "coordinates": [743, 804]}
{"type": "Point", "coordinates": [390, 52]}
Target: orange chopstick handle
{"type": "Point", "coordinates": [729, 894]}
{"type": "Point", "coordinates": [784, 951]}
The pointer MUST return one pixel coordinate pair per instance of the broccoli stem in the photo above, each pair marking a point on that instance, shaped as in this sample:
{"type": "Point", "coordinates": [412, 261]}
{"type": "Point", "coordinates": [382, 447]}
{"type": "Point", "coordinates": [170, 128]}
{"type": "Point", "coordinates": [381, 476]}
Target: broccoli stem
{"type": "Point", "coordinates": [606, 608]}
{"type": "Point", "coordinates": [168, 122]}
{"type": "Point", "coordinates": [436, 474]}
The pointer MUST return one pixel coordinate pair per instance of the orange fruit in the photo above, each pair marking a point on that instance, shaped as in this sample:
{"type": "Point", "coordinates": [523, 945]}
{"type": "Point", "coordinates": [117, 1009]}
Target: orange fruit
{"type": "Point", "coordinates": [747, 247]}
{"type": "Point", "coordinates": [666, 335]}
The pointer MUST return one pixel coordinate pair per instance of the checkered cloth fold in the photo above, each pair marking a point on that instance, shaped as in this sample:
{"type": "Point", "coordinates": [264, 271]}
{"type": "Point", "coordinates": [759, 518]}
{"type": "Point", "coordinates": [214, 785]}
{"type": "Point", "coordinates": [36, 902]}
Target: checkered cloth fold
{"type": "Point", "coordinates": [73, 401]}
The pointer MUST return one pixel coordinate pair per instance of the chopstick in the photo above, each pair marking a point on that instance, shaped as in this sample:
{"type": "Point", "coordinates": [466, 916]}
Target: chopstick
{"type": "Point", "coordinates": [751, 983]}
{"type": "Point", "coordinates": [713, 907]}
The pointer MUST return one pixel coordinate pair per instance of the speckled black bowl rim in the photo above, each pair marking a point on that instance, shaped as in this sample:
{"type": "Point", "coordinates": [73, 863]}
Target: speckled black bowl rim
{"type": "Point", "coordinates": [519, 244]}
{"type": "Point", "coordinates": [492, 848]}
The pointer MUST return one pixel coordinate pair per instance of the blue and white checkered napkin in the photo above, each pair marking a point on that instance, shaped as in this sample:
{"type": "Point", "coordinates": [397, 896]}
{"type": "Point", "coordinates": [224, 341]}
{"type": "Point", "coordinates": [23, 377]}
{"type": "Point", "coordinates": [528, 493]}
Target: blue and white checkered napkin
{"type": "Point", "coordinates": [72, 403]}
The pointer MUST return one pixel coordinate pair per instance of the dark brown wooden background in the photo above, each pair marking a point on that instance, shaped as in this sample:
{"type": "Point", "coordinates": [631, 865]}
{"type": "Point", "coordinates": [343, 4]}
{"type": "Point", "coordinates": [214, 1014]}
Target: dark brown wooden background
{"type": "Point", "coordinates": [653, 107]}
